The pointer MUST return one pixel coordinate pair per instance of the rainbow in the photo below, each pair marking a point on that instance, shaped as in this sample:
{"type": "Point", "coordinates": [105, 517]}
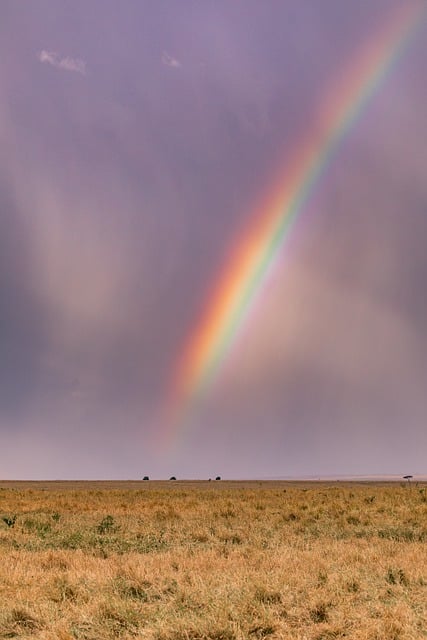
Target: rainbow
{"type": "Point", "coordinates": [255, 253]}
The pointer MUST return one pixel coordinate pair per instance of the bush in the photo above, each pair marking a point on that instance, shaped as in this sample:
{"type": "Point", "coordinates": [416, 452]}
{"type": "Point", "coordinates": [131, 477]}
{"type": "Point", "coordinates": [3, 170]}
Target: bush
{"type": "Point", "coordinates": [9, 520]}
{"type": "Point", "coordinates": [106, 525]}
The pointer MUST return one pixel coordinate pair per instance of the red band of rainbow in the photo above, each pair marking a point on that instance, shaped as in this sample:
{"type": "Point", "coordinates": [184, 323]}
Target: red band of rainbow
{"type": "Point", "coordinates": [244, 273]}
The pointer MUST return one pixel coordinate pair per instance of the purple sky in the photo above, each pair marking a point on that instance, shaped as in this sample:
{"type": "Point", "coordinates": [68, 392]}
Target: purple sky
{"type": "Point", "coordinates": [136, 139]}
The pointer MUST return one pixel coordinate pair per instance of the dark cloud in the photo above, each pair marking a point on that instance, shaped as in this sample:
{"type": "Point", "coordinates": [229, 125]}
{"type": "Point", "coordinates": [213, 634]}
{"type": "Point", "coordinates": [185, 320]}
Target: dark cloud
{"type": "Point", "coordinates": [123, 189]}
{"type": "Point", "coordinates": [22, 334]}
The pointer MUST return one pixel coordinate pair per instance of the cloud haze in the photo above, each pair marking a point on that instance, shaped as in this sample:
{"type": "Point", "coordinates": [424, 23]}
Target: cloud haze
{"type": "Point", "coordinates": [169, 61]}
{"type": "Point", "coordinates": [67, 63]}
{"type": "Point", "coordinates": [120, 198]}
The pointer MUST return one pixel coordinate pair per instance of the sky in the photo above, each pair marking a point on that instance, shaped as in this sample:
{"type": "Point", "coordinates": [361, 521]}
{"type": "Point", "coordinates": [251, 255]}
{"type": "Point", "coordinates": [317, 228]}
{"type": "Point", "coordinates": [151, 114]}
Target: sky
{"type": "Point", "coordinates": [137, 140]}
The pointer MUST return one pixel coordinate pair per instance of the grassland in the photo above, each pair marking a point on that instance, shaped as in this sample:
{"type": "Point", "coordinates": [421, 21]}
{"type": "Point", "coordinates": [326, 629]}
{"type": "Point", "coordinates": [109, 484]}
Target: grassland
{"type": "Point", "coordinates": [219, 560]}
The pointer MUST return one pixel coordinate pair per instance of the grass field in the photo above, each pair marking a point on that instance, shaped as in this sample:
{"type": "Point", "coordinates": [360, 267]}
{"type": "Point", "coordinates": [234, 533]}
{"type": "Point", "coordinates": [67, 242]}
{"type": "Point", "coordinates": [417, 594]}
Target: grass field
{"type": "Point", "coordinates": [219, 560]}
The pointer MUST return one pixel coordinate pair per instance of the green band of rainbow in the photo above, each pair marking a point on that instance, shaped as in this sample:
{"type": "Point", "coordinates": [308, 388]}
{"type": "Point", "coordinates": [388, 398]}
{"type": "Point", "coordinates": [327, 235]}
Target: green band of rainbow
{"type": "Point", "coordinates": [243, 275]}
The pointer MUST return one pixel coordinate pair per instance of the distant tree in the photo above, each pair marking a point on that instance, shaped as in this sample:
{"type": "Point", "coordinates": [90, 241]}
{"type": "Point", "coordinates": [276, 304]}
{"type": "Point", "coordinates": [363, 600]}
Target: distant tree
{"type": "Point", "coordinates": [408, 478]}
{"type": "Point", "coordinates": [172, 478]}
{"type": "Point", "coordinates": [145, 478]}
{"type": "Point", "coordinates": [218, 478]}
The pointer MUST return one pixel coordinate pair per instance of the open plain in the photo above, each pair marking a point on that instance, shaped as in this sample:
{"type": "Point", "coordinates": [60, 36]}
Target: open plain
{"type": "Point", "coordinates": [213, 560]}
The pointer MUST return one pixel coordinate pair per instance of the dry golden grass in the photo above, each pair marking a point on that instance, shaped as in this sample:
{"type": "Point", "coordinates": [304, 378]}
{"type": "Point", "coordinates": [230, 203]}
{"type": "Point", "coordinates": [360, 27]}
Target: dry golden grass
{"type": "Point", "coordinates": [225, 561]}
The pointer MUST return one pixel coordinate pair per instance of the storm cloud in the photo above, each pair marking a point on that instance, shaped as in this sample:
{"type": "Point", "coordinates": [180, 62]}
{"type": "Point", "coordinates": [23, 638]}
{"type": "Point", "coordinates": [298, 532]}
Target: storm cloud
{"type": "Point", "coordinates": [136, 142]}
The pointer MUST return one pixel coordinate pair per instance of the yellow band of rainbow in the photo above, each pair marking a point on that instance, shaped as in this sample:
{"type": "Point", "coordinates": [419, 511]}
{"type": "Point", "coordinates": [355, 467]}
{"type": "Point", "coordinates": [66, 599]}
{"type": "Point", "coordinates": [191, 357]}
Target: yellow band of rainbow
{"type": "Point", "coordinates": [244, 272]}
